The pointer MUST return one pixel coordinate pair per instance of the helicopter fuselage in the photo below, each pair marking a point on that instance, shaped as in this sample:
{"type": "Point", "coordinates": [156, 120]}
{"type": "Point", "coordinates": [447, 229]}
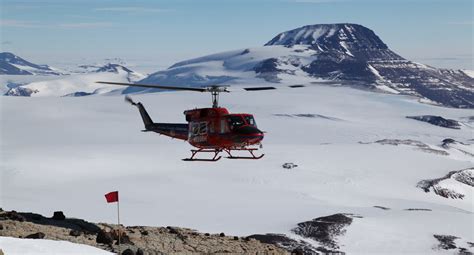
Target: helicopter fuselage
{"type": "Point", "coordinates": [209, 128]}
{"type": "Point", "coordinates": [216, 128]}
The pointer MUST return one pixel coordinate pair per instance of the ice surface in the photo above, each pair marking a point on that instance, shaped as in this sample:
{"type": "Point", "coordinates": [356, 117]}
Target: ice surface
{"type": "Point", "coordinates": [66, 153]}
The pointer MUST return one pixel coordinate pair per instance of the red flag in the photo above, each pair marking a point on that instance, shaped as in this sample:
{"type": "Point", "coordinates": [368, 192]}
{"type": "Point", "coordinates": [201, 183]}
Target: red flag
{"type": "Point", "coordinates": [112, 197]}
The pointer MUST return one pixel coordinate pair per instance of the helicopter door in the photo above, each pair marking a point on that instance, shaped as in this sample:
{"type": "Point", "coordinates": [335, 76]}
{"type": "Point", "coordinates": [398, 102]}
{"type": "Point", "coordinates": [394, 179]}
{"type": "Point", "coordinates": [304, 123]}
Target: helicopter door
{"type": "Point", "coordinates": [223, 126]}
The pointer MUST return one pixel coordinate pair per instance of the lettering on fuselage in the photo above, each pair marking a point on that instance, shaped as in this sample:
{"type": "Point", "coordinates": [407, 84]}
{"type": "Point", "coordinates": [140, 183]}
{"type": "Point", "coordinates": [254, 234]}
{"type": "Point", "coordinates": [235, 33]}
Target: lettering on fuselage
{"type": "Point", "coordinates": [198, 132]}
{"type": "Point", "coordinates": [199, 139]}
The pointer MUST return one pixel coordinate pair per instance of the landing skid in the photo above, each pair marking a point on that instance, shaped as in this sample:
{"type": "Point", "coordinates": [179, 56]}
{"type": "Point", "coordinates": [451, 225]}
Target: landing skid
{"type": "Point", "coordinates": [251, 150]}
{"type": "Point", "coordinates": [194, 152]}
{"type": "Point", "coordinates": [216, 156]}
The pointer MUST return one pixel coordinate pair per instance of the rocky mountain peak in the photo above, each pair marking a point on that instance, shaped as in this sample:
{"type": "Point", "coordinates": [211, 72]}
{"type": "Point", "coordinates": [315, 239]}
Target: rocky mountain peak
{"type": "Point", "coordinates": [8, 56]}
{"type": "Point", "coordinates": [324, 34]}
{"type": "Point", "coordinates": [113, 68]}
{"type": "Point", "coordinates": [352, 40]}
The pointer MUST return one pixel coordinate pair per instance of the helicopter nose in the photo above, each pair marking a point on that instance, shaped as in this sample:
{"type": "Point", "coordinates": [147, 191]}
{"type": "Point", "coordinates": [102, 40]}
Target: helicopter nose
{"type": "Point", "coordinates": [250, 133]}
{"type": "Point", "coordinates": [249, 130]}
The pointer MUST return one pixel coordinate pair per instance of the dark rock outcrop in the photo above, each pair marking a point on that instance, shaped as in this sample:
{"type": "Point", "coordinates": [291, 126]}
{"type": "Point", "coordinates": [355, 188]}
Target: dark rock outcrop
{"type": "Point", "coordinates": [324, 229]}
{"type": "Point", "coordinates": [437, 121]}
{"type": "Point", "coordinates": [74, 233]}
{"type": "Point", "coordinates": [38, 235]}
{"type": "Point", "coordinates": [446, 242]}
{"type": "Point", "coordinates": [13, 215]}
{"type": "Point", "coordinates": [113, 68]}
{"type": "Point", "coordinates": [416, 144]}
{"type": "Point", "coordinates": [128, 252]}
{"type": "Point", "coordinates": [104, 237]}
{"type": "Point", "coordinates": [58, 215]}
{"type": "Point", "coordinates": [381, 207]}
{"type": "Point", "coordinates": [20, 92]}
{"type": "Point", "coordinates": [289, 165]}
{"type": "Point", "coordinates": [291, 245]}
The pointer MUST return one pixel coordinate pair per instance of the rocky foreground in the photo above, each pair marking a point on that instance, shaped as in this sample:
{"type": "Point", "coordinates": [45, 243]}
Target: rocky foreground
{"type": "Point", "coordinates": [134, 239]}
{"type": "Point", "coordinates": [322, 232]}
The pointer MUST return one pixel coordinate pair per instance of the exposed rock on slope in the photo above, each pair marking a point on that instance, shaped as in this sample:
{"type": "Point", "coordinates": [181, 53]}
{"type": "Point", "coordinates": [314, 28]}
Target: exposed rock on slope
{"type": "Point", "coordinates": [416, 144]}
{"type": "Point", "coordinates": [437, 121]}
{"type": "Point", "coordinates": [296, 247]}
{"type": "Point", "coordinates": [455, 185]}
{"type": "Point", "coordinates": [324, 230]}
{"type": "Point", "coordinates": [448, 242]}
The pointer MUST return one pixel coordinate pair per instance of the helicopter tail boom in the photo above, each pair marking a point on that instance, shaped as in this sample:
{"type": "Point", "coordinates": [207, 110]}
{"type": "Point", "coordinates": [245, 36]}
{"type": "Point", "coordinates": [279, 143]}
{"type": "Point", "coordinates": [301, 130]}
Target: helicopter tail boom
{"type": "Point", "coordinates": [145, 117]}
{"type": "Point", "coordinates": [174, 130]}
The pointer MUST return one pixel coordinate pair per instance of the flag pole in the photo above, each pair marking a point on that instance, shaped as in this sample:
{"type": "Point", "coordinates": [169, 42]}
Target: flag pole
{"type": "Point", "coordinates": [118, 220]}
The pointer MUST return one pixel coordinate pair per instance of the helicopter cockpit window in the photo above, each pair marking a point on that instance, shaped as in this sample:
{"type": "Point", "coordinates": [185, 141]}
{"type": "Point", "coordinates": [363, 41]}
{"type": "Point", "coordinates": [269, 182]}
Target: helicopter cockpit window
{"type": "Point", "coordinates": [235, 121]}
{"type": "Point", "coordinates": [250, 120]}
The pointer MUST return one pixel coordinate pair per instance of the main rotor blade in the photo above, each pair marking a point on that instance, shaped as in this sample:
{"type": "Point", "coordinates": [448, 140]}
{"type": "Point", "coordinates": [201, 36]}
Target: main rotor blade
{"type": "Point", "coordinates": [270, 88]}
{"type": "Point", "coordinates": [153, 86]}
{"type": "Point", "coordinates": [258, 88]}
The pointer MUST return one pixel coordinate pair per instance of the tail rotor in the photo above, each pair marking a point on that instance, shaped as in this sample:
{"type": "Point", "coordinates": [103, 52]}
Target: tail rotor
{"type": "Point", "coordinates": [129, 100]}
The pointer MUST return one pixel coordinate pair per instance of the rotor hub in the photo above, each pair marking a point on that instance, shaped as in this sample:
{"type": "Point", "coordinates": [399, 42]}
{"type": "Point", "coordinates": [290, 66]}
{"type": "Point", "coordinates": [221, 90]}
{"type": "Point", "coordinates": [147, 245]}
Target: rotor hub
{"type": "Point", "coordinates": [215, 91]}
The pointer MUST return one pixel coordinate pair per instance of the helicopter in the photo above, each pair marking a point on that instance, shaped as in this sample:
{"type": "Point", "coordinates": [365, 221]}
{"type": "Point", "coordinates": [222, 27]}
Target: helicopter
{"type": "Point", "coordinates": [210, 130]}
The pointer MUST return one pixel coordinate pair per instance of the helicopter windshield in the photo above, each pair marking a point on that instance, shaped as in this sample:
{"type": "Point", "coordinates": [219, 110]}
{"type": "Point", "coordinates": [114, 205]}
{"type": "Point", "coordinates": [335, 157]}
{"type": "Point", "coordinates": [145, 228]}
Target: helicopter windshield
{"type": "Point", "coordinates": [250, 120]}
{"type": "Point", "coordinates": [235, 121]}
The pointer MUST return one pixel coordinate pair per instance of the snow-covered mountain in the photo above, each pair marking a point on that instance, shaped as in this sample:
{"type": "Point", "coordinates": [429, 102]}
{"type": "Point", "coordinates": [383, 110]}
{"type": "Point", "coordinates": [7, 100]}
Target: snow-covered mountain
{"type": "Point", "coordinates": [346, 54]}
{"type": "Point", "coordinates": [114, 65]}
{"type": "Point", "coordinates": [14, 65]}
{"type": "Point", "coordinates": [80, 84]}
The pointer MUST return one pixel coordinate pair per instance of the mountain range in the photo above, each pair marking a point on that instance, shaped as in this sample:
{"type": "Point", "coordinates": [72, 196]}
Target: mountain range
{"type": "Point", "coordinates": [79, 84]}
{"type": "Point", "coordinates": [336, 54]}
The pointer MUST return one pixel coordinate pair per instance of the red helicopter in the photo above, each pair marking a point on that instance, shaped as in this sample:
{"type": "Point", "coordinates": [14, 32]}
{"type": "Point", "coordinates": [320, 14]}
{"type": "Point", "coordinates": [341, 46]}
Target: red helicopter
{"type": "Point", "coordinates": [210, 130]}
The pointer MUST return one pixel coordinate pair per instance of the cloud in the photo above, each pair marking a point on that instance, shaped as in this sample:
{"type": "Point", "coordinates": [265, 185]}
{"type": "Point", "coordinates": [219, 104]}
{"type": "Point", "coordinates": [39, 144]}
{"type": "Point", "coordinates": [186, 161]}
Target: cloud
{"type": "Point", "coordinates": [24, 7]}
{"type": "Point", "coordinates": [130, 9]}
{"type": "Point", "coordinates": [86, 25]}
{"type": "Point", "coordinates": [18, 23]}
{"type": "Point", "coordinates": [464, 23]}
{"type": "Point", "coordinates": [316, 1]}
{"type": "Point", "coordinates": [33, 24]}
{"type": "Point", "coordinates": [7, 42]}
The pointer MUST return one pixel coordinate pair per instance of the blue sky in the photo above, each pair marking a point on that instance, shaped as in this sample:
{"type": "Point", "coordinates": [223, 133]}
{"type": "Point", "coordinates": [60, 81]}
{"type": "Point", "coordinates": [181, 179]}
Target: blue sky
{"type": "Point", "coordinates": [436, 32]}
